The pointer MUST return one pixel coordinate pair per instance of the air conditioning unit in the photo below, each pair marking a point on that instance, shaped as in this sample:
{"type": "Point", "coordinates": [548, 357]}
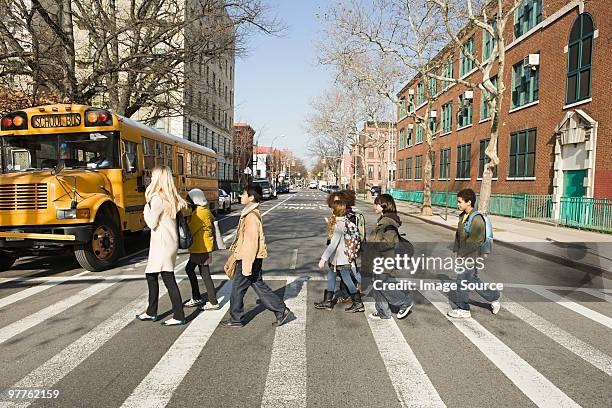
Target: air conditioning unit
{"type": "Point", "coordinates": [410, 126]}
{"type": "Point", "coordinates": [468, 95]}
{"type": "Point", "coordinates": [433, 114]}
{"type": "Point", "coordinates": [411, 92]}
{"type": "Point", "coordinates": [531, 61]}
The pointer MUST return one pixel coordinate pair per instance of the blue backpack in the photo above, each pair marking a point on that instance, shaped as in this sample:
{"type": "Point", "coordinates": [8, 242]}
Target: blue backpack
{"type": "Point", "coordinates": [487, 245]}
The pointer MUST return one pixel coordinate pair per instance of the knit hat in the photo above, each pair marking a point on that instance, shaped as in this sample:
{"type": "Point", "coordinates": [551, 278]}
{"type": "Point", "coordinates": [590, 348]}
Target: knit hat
{"type": "Point", "coordinates": [197, 197]}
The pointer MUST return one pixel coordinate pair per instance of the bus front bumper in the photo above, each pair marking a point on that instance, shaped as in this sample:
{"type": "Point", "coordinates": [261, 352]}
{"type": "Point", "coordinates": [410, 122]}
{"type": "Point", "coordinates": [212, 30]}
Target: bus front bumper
{"type": "Point", "coordinates": [28, 237]}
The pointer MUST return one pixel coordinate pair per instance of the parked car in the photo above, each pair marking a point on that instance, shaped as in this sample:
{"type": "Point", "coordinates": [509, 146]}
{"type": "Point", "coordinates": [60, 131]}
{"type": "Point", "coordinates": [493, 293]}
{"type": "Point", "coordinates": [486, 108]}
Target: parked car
{"type": "Point", "coordinates": [313, 185]}
{"type": "Point", "coordinates": [266, 189]}
{"type": "Point", "coordinates": [283, 188]}
{"type": "Point", "coordinates": [225, 201]}
{"type": "Point", "coordinates": [375, 190]}
{"type": "Point", "coordinates": [333, 189]}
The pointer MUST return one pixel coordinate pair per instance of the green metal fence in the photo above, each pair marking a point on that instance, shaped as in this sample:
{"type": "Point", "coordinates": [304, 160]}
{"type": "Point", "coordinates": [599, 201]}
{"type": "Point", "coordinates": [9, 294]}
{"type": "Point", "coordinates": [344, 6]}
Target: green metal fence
{"type": "Point", "coordinates": [577, 212]}
{"type": "Point", "coordinates": [587, 213]}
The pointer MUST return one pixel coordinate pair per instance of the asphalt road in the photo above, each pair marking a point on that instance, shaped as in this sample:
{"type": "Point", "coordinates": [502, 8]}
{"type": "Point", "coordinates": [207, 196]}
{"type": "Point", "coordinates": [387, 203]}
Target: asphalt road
{"type": "Point", "coordinates": [68, 330]}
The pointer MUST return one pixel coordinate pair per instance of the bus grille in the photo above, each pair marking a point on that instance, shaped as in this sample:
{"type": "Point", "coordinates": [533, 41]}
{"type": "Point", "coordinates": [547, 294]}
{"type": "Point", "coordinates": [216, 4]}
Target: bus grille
{"type": "Point", "coordinates": [23, 197]}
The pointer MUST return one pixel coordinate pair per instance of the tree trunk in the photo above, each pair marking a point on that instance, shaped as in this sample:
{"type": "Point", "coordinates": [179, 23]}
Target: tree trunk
{"type": "Point", "coordinates": [426, 207]}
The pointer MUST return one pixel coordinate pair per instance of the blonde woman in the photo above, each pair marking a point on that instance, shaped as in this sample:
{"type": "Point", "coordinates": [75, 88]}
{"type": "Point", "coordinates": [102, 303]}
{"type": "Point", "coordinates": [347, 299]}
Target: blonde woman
{"type": "Point", "coordinates": [163, 202]}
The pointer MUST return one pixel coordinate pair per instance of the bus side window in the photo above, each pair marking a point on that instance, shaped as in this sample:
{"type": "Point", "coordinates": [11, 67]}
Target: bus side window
{"type": "Point", "coordinates": [130, 158]}
{"type": "Point", "coordinates": [181, 165]}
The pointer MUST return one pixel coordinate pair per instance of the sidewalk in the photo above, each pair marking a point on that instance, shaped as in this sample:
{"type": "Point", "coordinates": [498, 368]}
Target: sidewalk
{"type": "Point", "coordinates": [584, 250]}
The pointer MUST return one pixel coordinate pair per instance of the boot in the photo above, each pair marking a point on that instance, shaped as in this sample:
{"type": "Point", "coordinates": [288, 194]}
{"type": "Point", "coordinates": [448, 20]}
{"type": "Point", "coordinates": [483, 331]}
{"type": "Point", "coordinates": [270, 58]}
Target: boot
{"type": "Point", "coordinates": [357, 305]}
{"type": "Point", "coordinates": [326, 304]}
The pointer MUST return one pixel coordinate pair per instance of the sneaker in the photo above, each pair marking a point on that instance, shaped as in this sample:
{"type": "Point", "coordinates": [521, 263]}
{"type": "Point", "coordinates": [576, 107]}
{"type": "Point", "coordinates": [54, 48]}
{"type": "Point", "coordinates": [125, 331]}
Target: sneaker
{"type": "Point", "coordinates": [144, 317]}
{"type": "Point", "coordinates": [173, 322]}
{"type": "Point", "coordinates": [404, 310]}
{"type": "Point", "coordinates": [459, 314]}
{"type": "Point", "coordinates": [210, 306]}
{"type": "Point", "coordinates": [495, 306]}
{"type": "Point", "coordinates": [377, 316]}
{"type": "Point", "coordinates": [230, 323]}
{"type": "Point", "coordinates": [193, 303]}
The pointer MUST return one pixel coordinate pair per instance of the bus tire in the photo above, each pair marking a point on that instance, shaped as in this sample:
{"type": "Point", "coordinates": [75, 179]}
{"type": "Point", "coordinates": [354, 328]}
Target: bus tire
{"type": "Point", "coordinates": [6, 261]}
{"type": "Point", "coordinates": [105, 247]}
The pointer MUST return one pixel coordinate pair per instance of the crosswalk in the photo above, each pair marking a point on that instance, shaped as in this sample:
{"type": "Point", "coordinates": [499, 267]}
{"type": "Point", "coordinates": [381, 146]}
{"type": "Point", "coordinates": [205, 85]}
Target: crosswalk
{"type": "Point", "coordinates": [507, 347]}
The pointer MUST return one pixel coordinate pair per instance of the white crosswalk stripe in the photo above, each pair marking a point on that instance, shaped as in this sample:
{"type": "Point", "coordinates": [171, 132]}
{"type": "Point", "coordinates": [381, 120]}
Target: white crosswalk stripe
{"type": "Point", "coordinates": [531, 383]}
{"type": "Point", "coordinates": [159, 385]}
{"type": "Point", "coordinates": [411, 383]}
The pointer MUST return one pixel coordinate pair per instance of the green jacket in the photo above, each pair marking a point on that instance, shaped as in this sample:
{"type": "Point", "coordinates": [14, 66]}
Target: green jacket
{"type": "Point", "coordinates": [383, 238]}
{"type": "Point", "coordinates": [469, 245]}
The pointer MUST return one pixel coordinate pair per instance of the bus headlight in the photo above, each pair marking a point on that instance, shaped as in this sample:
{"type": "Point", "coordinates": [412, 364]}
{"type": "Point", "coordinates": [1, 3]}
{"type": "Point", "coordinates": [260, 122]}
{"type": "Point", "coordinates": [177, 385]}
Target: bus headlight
{"type": "Point", "coordinates": [71, 214]}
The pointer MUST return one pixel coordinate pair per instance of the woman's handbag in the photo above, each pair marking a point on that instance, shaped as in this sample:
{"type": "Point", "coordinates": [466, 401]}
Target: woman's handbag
{"type": "Point", "coordinates": [230, 266]}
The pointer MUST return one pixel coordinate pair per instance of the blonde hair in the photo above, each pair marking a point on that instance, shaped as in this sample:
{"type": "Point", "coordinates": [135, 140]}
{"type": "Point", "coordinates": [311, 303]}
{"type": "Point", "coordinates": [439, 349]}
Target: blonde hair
{"type": "Point", "coordinates": [162, 185]}
{"type": "Point", "coordinates": [338, 210]}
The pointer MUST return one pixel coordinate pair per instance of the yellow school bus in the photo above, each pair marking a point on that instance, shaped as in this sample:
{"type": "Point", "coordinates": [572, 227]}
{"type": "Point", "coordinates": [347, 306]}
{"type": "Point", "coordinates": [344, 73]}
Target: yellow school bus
{"type": "Point", "coordinates": [73, 178]}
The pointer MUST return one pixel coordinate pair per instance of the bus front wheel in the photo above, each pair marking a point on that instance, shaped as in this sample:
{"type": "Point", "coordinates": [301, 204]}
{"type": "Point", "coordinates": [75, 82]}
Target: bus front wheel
{"type": "Point", "coordinates": [103, 250]}
{"type": "Point", "coordinates": [6, 261]}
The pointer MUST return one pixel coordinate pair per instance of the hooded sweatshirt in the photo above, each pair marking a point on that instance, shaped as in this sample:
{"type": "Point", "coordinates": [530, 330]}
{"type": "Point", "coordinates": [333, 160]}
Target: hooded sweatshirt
{"type": "Point", "coordinates": [385, 237]}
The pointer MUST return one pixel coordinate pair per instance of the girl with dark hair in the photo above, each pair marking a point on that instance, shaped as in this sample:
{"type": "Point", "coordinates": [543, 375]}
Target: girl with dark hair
{"type": "Point", "coordinates": [384, 240]}
{"type": "Point", "coordinates": [338, 262]}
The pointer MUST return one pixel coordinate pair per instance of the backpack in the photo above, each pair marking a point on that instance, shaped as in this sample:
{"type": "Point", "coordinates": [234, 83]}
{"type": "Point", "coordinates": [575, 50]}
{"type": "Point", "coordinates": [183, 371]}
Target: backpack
{"type": "Point", "coordinates": [487, 245]}
{"type": "Point", "coordinates": [361, 225]}
{"type": "Point", "coordinates": [182, 232]}
{"type": "Point", "coordinates": [403, 247]}
{"type": "Point", "coordinates": [352, 241]}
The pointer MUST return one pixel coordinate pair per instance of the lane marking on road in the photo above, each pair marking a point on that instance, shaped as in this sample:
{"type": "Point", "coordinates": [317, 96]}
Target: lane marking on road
{"type": "Point", "coordinates": [32, 320]}
{"type": "Point", "coordinates": [412, 385]}
{"type": "Point", "coordinates": [16, 297]}
{"type": "Point", "coordinates": [597, 293]}
{"type": "Point", "coordinates": [294, 257]}
{"type": "Point", "coordinates": [528, 380]}
{"type": "Point", "coordinates": [573, 306]}
{"type": "Point", "coordinates": [60, 365]}
{"type": "Point", "coordinates": [287, 374]}
{"type": "Point", "coordinates": [583, 350]}
{"type": "Point", "coordinates": [157, 388]}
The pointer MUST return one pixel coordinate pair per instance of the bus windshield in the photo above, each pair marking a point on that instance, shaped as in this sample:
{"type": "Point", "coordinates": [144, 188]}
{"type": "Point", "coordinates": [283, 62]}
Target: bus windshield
{"type": "Point", "coordinates": [96, 150]}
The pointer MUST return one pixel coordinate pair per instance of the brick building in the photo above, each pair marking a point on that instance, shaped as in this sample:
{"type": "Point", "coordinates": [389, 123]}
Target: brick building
{"type": "Point", "coordinates": [243, 150]}
{"type": "Point", "coordinates": [554, 134]}
{"type": "Point", "coordinates": [374, 155]}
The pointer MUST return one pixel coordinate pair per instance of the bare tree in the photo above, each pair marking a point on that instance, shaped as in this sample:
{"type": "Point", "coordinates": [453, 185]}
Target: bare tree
{"type": "Point", "coordinates": [123, 55]}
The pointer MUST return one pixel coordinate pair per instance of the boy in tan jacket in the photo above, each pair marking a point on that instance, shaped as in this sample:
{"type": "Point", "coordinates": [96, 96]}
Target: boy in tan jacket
{"type": "Point", "coordinates": [249, 249]}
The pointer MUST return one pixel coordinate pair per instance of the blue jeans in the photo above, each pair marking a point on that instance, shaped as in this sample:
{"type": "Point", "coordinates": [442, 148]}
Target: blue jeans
{"type": "Point", "coordinates": [345, 275]}
{"type": "Point", "coordinates": [462, 296]}
{"type": "Point", "coordinates": [384, 298]}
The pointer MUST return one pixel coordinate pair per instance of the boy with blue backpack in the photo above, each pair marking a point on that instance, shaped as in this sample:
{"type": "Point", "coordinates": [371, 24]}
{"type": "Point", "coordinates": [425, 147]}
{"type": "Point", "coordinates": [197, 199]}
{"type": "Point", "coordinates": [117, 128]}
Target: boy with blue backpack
{"type": "Point", "coordinates": [473, 239]}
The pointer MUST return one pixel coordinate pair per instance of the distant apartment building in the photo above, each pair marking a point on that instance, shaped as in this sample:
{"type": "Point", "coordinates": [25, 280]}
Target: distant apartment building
{"type": "Point", "coordinates": [555, 125]}
{"type": "Point", "coordinates": [243, 151]}
{"type": "Point", "coordinates": [373, 157]}
{"type": "Point", "coordinates": [262, 162]}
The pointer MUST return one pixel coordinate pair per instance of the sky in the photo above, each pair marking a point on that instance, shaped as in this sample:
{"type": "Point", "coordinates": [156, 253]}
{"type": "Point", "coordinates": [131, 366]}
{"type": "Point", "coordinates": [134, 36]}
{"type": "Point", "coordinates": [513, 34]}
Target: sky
{"type": "Point", "coordinates": [278, 77]}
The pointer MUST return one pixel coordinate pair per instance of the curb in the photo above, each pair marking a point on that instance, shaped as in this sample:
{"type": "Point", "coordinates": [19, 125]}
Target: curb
{"type": "Point", "coordinates": [590, 269]}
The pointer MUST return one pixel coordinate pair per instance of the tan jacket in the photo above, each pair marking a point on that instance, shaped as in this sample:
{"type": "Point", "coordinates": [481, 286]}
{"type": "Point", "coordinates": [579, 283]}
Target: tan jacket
{"type": "Point", "coordinates": [250, 242]}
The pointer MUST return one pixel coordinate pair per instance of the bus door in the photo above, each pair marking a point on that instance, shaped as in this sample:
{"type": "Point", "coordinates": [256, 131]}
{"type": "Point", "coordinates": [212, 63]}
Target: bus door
{"type": "Point", "coordinates": [181, 184]}
{"type": "Point", "coordinates": [133, 188]}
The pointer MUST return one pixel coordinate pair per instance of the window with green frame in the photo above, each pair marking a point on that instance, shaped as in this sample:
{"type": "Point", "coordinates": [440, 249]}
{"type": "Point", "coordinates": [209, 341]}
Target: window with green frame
{"type": "Point", "coordinates": [485, 109]}
{"type": "Point", "coordinates": [484, 159]}
{"type": "Point", "coordinates": [521, 162]}
{"type": "Point", "coordinates": [400, 169]}
{"type": "Point", "coordinates": [418, 167]}
{"type": "Point", "coordinates": [433, 87]}
{"type": "Point", "coordinates": [433, 126]}
{"type": "Point", "coordinates": [525, 84]}
{"type": "Point", "coordinates": [464, 159]}
{"type": "Point", "coordinates": [579, 59]}
{"type": "Point", "coordinates": [420, 93]}
{"type": "Point", "coordinates": [527, 16]}
{"type": "Point", "coordinates": [408, 137]}
{"type": "Point", "coordinates": [467, 64]}
{"type": "Point", "coordinates": [419, 134]}
{"type": "Point", "coordinates": [488, 41]}
{"type": "Point", "coordinates": [410, 103]}
{"type": "Point", "coordinates": [448, 73]}
{"type": "Point", "coordinates": [447, 117]}
{"type": "Point", "coordinates": [445, 158]}
{"type": "Point", "coordinates": [409, 168]}
{"type": "Point", "coordinates": [402, 107]}
{"type": "Point", "coordinates": [465, 111]}
{"type": "Point", "coordinates": [433, 165]}
{"type": "Point", "coordinates": [401, 138]}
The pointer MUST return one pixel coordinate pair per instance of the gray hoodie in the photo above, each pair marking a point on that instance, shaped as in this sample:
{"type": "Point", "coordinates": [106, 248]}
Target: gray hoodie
{"type": "Point", "coordinates": [334, 252]}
